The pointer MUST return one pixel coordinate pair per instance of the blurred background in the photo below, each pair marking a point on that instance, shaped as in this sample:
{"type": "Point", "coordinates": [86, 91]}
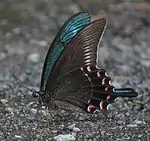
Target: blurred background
{"type": "Point", "coordinates": [28, 27]}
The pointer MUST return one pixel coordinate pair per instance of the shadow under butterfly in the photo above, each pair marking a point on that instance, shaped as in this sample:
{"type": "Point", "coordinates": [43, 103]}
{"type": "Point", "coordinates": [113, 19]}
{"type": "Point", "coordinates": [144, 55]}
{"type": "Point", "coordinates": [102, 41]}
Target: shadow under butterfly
{"type": "Point", "coordinates": [70, 72]}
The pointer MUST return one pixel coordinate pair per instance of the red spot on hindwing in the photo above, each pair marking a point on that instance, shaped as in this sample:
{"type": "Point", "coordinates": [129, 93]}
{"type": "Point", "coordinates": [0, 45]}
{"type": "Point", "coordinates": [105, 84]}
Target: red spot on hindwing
{"type": "Point", "coordinates": [101, 73]}
{"type": "Point", "coordinates": [101, 105]}
{"type": "Point", "coordinates": [91, 108]}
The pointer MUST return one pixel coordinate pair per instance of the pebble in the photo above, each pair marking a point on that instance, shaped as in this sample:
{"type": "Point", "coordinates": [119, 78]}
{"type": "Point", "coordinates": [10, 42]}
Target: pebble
{"type": "Point", "coordinates": [40, 43]}
{"type": "Point", "coordinates": [132, 125]}
{"type": "Point", "coordinates": [34, 111]}
{"type": "Point", "coordinates": [2, 56]}
{"type": "Point", "coordinates": [146, 63]}
{"type": "Point", "coordinates": [119, 50]}
{"type": "Point", "coordinates": [71, 126]}
{"type": "Point", "coordinates": [147, 119]}
{"type": "Point", "coordinates": [9, 109]}
{"type": "Point", "coordinates": [67, 137]}
{"type": "Point", "coordinates": [43, 43]}
{"type": "Point", "coordinates": [16, 31]}
{"type": "Point", "coordinates": [34, 58]}
{"type": "Point", "coordinates": [4, 101]}
{"type": "Point", "coordinates": [17, 136]}
{"type": "Point", "coordinates": [8, 35]}
{"type": "Point", "coordinates": [75, 129]}
{"type": "Point", "coordinates": [138, 122]}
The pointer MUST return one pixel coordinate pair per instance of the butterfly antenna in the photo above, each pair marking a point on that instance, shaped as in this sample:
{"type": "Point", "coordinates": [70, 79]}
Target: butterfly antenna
{"type": "Point", "coordinates": [34, 92]}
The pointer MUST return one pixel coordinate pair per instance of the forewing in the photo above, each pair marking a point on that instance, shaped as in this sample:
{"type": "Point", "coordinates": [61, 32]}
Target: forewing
{"type": "Point", "coordinates": [68, 31]}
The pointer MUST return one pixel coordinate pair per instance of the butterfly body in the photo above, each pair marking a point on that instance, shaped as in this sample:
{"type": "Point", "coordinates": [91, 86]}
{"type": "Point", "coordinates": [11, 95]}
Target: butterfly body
{"type": "Point", "coordinates": [70, 71]}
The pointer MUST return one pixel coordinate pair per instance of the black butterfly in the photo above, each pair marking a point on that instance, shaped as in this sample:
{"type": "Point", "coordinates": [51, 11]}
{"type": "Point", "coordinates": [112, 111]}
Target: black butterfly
{"type": "Point", "coordinates": [70, 72]}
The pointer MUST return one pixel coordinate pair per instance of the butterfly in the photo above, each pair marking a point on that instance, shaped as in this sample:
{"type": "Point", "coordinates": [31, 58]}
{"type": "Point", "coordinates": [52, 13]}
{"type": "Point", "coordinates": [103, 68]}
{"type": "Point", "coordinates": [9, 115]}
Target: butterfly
{"type": "Point", "coordinates": [70, 71]}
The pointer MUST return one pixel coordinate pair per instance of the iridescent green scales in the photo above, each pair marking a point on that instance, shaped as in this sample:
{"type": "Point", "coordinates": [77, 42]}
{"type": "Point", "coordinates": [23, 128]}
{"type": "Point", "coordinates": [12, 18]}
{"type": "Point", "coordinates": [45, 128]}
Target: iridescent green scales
{"type": "Point", "coordinates": [68, 31]}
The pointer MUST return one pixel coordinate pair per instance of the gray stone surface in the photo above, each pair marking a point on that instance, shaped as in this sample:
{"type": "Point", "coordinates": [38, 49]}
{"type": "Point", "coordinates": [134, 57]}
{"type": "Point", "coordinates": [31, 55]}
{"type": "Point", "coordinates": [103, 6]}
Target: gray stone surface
{"type": "Point", "coordinates": [26, 30]}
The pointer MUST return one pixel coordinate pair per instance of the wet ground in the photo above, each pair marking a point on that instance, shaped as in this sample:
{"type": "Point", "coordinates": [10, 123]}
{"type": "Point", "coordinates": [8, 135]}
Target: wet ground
{"type": "Point", "coordinates": [26, 31]}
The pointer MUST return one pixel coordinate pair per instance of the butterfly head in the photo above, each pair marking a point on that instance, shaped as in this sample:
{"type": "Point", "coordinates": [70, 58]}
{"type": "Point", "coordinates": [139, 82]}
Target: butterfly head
{"type": "Point", "coordinates": [35, 93]}
{"type": "Point", "coordinates": [44, 98]}
{"type": "Point", "coordinates": [38, 94]}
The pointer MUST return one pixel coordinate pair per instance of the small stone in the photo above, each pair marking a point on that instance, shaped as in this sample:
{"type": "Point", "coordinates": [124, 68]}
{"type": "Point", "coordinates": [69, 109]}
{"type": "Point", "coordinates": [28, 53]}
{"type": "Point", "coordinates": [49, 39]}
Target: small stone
{"type": "Point", "coordinates": [117, 84]}
{"type": "Point", "coordinates": [146, 63]}
{"type": "Point", "coordinates": [109, 107]}
{"type": "Point", "coordinates": [147, 119]}
{"type": "Point", "coordinates": [8, 35]}
{"type": "Point", "coordinates": [132, 125]}
{"type": "Point", "coordinates": [74, 8]}
{"type": "Point", "coordinates": [40, 43]}
{"type": "Point", "coordinates": [9, 109]}
{"type": "Point", "coordinates": [71, 126]}
{"type": "Point", "coordinates": [17, 136]}
{"type": "Point", "coordinates": [139, 136]}
{"type": "Point", "coordinates": [4, 101]}
{"type": "Point", "coordinates": [73, 134]}
{"type": "Point", "coordinates": [67, 137]}
{"type": "Point", "coordinates": [43, 43]}
{"type": "Point", "coordinates": [2, 56]}
{"type": "Point", "coordinates": [34, 111]}
{"type": "Point", "coordinates": [16, 31]}
{"type": "Point", "coordinates": [34, 57]}
{"type": "Point", "coordinates": [138, 122]}
{"type": "Point", "coordinates": [75, 129]}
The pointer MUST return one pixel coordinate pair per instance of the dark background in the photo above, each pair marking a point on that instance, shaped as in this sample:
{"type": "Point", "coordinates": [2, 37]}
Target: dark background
{"type": "Point", "coordinates": [26, 30]}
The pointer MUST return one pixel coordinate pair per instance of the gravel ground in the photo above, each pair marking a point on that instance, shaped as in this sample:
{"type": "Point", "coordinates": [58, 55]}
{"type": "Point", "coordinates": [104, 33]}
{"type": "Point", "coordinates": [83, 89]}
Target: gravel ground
{"type": "Point", "coordinates": [27, 29]}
